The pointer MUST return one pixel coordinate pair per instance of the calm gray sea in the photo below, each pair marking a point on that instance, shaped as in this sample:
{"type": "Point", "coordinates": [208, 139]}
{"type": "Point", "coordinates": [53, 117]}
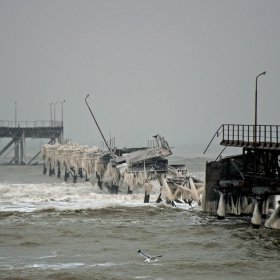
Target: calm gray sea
{"type": "Point", "coordinates": [55, 230]}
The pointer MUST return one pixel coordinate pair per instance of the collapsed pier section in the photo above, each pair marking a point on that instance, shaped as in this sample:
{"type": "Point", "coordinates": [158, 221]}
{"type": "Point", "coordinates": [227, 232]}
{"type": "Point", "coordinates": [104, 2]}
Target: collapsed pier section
{"type": "Point", "coordinates": [127, 169]}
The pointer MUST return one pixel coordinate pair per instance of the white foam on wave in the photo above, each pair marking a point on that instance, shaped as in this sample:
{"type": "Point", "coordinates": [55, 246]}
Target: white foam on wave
{"type": "Point", "coordinates": [62, 196]}
{"type": "Point", "coordinates": [108, 264]}
{"type": "Point", "coordinates": [57, 266]}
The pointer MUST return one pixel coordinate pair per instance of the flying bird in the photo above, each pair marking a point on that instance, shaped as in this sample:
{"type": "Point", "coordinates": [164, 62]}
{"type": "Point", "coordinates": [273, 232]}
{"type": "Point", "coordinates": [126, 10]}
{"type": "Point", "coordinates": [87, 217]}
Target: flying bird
{"type": "Point", "coordinates": [148, 258]}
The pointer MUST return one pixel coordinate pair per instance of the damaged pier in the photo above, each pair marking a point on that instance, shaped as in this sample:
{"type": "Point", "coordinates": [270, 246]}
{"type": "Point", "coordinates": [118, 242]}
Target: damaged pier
{"type": "Point", "coordinates": [246, 183]}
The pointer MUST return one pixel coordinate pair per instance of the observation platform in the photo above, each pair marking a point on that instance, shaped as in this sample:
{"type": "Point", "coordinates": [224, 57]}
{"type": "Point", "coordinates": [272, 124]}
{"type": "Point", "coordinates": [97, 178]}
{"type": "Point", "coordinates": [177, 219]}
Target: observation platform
{"type": "Point", "coordinates": [267, 136]}
{"type": "Point", "coordinates": [20, 130]}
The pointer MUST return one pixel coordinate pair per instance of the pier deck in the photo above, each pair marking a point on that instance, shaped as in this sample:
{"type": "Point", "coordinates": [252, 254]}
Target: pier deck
{"type": "Point", "coordinates": [19, 131]}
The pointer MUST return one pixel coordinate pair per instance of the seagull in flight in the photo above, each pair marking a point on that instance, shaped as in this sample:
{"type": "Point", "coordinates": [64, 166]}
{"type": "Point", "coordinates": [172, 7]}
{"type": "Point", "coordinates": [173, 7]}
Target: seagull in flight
{"type": "Point", "coordinates": [148, 258]}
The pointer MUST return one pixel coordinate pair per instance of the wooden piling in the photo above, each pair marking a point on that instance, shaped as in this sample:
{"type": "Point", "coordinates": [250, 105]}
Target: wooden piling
{"type": "Point", "coordinates": [44, 169]}
{"type": "Point", "coordinates": [147, 197]}
{"type": "Point", "coordinates": [58, 170]}
{"type": "Point", "coordinates": [114, 189]}
{"type": "Point", "coordinates": [66, 176]}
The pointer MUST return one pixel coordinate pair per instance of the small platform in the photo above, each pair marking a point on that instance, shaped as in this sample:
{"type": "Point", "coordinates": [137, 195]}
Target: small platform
{"type": "Point", "coordinates": [19, 131]}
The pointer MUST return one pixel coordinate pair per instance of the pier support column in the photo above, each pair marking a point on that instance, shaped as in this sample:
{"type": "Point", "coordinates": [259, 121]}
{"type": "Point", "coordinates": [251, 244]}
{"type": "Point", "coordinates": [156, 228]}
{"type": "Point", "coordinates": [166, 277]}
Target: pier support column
{"type": "Point", "coordinates": [159, 199]}
{"type": "Point", "coordinates": [81, 173]}
{"type": "Point", "coordinates": [66, 175]}
{"type": "Point", "coordinates": [114, 189]}
{"type": "Point", "coordinates": [146, 197]}
{"type": "Point", "coordinates": [44, 169]}
{"type": "Point", "coordinates": [50, 170]}
{"type": "Point", "coordinates": [257, 214]}
{"type": "Point", "coordinates": [75, 177]}
{"type": "Point", "coordinates": [58, 170]}
{"type": "Point", "coordinates": [16, 158]}
{"type": "Point", "coordinates": [99, 181]}
{"type": "Point", "coordinates": [148, 188]}
{"type": "Point", "coordinates": [22, 159]}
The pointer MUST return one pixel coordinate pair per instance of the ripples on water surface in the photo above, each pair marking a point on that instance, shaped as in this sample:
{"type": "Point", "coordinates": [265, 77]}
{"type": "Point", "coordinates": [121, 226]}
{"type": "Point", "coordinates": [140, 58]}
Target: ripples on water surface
{"type": "Point", "coordinates": [103, 244]}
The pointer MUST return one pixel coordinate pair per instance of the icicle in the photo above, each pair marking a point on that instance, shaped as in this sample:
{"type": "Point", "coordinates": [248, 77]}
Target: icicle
{"type": "Point", "coordinates": [221, 206]}
{"type": "Point", "coordinates": [166, 192]}
{"type": "Point", "coordinates": [244, 203]}
{"type": "Point", "coordinates": [148, 188]}
{"type": "Point", "coordinates": [257, 216]}
{"type": "Point", "coordinates": [274, 221]}
{"type": "Point", "coordinates": [238, 205]}
{"type": "Point", "coordinates": [186, 192]}
{"type": "Point", "coordinates": [194, 191]}
{"type": "Point", "coordinates": [265, 205]}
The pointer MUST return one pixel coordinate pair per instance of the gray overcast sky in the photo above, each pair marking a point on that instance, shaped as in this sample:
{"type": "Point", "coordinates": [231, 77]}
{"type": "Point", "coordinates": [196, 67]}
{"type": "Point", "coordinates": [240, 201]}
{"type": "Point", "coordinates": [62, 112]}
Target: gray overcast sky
{"type": "Point", "coordinates": [178, 68]}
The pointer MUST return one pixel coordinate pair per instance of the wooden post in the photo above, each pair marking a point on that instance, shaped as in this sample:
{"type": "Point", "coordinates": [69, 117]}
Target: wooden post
{"type": "Point", "coordinates": [58, 170]}
{"type": "Point", "coordinates": [147, 197]}
{"type": "Point", "coordinates": [50, 171]}
{"type": "Point", "coordinates": [159, 199]}
{"type": "Point", "coordinates": [66, 175]}
{"type": "Point", "coordinates": [80, 172]}
{"type": "Point", "coordinates": [114, 189]}
{"type": "Point", "coordinates": [45, 169]}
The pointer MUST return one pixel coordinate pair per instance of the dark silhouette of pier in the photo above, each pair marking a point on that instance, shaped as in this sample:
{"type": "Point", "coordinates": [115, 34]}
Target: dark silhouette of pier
{"type": "Point", "coordinates": [255, 173]}
{"type": "Point", "coordinates": [19, 131]}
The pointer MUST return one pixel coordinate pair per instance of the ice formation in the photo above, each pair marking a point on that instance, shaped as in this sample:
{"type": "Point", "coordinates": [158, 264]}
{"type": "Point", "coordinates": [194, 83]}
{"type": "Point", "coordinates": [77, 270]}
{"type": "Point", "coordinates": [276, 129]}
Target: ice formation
{"type": "Point", "coordinates": [274, 222]}
{"type": "Point", "coordinates": [138, 168]}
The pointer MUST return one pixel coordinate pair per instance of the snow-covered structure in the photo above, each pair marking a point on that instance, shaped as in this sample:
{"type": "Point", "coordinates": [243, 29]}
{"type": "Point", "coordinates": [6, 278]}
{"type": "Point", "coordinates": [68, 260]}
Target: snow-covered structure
{"type": "Point", "coordinates": [129, 169]}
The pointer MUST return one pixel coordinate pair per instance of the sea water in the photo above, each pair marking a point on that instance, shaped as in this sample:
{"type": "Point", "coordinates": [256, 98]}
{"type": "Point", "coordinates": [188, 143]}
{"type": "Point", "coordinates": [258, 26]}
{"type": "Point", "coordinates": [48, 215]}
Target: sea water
{"type": "Point", "coordinates": [50, 229]}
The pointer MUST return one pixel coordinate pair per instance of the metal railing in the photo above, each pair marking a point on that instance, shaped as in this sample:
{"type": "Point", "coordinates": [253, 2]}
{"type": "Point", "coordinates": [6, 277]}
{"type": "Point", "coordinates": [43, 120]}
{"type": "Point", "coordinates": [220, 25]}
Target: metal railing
{"type": "Point", "coordinates": [241, 135]}
{"type": "Point", "coordinates": [246, 133]}
{"type": "Point", "coordinates": [12, 124]}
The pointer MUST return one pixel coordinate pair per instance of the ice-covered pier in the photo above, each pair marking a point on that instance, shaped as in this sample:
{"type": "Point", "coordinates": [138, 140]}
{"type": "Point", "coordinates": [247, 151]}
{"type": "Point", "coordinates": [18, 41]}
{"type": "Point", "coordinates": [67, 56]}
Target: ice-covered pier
{"type": "Point", "coordinates": [246, 183]}
{"type": "Point", "coordinates": [128, 169]}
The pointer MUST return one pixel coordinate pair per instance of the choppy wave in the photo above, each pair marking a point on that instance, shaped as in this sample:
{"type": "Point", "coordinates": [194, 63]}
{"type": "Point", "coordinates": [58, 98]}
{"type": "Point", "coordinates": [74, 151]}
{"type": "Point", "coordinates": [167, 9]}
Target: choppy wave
{"type": "Point", "coordinates": [63, 197]}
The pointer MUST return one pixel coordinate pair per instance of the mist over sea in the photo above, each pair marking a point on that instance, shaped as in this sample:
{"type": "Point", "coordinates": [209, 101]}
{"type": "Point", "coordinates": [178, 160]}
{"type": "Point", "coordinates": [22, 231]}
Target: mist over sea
{"type": "Point", "coordinates": [50, 229]}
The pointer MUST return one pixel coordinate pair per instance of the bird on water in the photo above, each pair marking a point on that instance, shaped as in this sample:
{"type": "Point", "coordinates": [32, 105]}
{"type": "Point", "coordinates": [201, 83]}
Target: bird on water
{"type": "Point", "coordinates": [148, 257]}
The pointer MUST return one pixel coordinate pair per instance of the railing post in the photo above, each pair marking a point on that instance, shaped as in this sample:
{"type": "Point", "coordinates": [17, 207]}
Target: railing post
{"type": "Point", "coordinates": [238, 132]}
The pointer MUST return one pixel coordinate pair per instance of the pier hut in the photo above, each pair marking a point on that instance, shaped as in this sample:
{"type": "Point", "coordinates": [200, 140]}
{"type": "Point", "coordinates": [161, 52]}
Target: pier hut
{"type": "Point", "coordinates": [248, 182]}
{"type": "Point", "coordinates": [19, 131]}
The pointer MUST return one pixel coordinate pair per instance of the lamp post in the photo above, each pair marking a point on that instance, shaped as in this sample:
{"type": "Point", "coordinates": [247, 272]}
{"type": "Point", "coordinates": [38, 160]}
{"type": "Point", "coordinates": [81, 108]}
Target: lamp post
{"type": "Point", "coordinates": [51, 111]}
{"type": "Point", "coordinates": [54, 112]}
{"type": "Point", "coordinates": [62, 133]}
{"type": "Point", "coordinates": [256, 109]}
{"type": "Point", "coordinates": [62, 111]}
{"type": "Point", "coordinates": [15, 114]}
